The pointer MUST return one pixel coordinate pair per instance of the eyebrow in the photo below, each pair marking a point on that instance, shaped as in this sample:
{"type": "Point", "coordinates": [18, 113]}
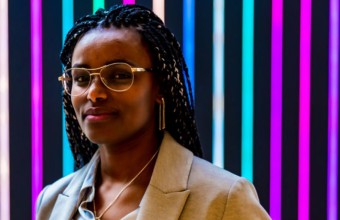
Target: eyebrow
{"type": "Point", "coordinates": [83, 65]}
{"type": "Point", "coordinates": [80, 65]}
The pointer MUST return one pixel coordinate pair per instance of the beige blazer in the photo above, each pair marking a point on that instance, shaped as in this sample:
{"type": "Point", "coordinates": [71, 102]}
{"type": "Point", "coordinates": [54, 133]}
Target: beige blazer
{"type": "Point", "coordinates": [182, 186]}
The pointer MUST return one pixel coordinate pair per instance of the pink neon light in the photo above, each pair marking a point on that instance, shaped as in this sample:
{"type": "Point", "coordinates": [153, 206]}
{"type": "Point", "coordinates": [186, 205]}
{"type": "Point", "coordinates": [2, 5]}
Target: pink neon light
{"type": "Point", "coordinates": [36, 96]}
{"type": "Point", "coordinates": [129, 2]}
{"type": "Point", "coordinates": [304, 110]}
{"type": "Point", "coordinates": [276, 110]}
{"type": "Point", "coordinates": [333, 112]}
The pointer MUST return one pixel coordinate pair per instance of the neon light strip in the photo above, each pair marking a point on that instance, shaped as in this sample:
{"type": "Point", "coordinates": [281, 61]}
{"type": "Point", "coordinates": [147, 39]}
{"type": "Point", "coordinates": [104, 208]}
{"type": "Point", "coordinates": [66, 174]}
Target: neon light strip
{"type": "Point", "coordinates": [247, 88]}
{"type": "Point", "coordinates": [158, 8]}
{"type": "Point", "coordinates": [333, 112]}
{"type": "Point", "coordinates": [276, 110]}
{"type": "Point", "coordinates": [4, 114]}
{"type": "Point", "coordinates": [97, 4]}
{"type": "Point", "coordinates": [36, 95]}
{"type": "Point", "coordinates": [68, 20]}
{"type": "Point", "coordinates": [129, 2]}
{"type": "Point", "coordinates": [218, 84]}
{"type": "Point", "coordinates": [304, 110]}
{"type": "Point", "coordinates": [189, 39]}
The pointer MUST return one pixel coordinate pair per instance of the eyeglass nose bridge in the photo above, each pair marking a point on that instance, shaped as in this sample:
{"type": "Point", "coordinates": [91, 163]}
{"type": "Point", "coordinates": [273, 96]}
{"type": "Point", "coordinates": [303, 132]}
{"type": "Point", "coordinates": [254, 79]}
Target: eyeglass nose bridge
{"type": "Point", "coordinates": [95, 74]}
{"type": "Point", "coordinates": [92, 76]}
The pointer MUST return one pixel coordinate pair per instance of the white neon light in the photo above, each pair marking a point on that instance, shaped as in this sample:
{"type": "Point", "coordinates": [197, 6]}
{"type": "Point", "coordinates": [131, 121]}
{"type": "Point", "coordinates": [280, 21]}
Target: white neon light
{"type": "Point", "coordinates": [4, 114]}
{"type": "Point", "coordinates": [158, 8]}
{"type": "Point", "coordinates": [218, 83]}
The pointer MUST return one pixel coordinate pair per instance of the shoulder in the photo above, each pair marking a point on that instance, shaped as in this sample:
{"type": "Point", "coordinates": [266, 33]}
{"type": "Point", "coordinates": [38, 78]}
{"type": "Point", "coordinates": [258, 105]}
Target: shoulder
{"type": "Point", "coordinates": [209, 173]}
{"type": "Point", "coordinates": [53, 190]}
{"type": "Point", "coordinates": [68, 185]}
{"type": "Point", "coordinates": [231, 196]}
{"type": "Point", "coordinates": [206, 177]}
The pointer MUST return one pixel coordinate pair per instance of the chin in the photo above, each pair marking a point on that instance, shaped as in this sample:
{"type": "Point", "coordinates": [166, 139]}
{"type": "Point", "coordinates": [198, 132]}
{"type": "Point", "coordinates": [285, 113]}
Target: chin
{"type": "Point", "coordinates": [97, 137]}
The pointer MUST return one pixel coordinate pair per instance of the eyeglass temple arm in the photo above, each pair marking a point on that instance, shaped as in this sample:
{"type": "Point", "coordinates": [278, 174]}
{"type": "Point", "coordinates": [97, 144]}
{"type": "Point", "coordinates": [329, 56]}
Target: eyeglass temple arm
{"type": "Point", "coordinates": [62, 78]}
{"type": "Point", "coordinates": [140, 69]}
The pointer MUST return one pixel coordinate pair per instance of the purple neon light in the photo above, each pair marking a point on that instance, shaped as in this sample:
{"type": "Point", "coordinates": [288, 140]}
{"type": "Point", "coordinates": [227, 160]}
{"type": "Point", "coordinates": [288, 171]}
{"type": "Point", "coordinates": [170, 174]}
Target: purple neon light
{"type": "Point", "coordinates": [276, 110]}
{"type": "Point", "coordinates": [129, 2]}
{"type": "Point", "coordinates": [36, 97]}
{"type": "Point", "coordinates": [333, 112]}
{"type": "Point", "coordinates": [304, 109]}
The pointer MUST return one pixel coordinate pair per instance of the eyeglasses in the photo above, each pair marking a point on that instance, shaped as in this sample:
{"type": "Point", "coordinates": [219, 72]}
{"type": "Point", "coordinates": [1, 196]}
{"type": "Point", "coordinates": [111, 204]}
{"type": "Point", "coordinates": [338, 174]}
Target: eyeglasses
{"type": "Point", "coordinates": [117, 77]}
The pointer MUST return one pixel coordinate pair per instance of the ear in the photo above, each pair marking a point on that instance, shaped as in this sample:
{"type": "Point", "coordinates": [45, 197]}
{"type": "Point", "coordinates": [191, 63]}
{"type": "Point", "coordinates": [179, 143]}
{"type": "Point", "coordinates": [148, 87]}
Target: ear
{"type": "Point", "coordinates": [159, 98]}
{"type": "Point", "coordinates": [159, 95]}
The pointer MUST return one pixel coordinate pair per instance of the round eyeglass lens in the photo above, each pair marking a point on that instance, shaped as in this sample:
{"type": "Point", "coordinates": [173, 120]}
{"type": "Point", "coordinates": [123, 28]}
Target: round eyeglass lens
{"type": "Point", "coordinates": [80, 79]}
{"type": "Point", "coordinates": [117, 77]}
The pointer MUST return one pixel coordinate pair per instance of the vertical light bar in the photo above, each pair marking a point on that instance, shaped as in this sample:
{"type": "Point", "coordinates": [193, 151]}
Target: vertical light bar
{"type": "Point", "coordinates": [276, 109]}
{"type": "Point", "coordinates": [333, 112]}
{"type": "Point", "coordinates": [247, 88]}
{"type": "Point", "coordinates": [67, 23]}
{"type": "Point", "coordinates": [129, 2]}
{"type": "Point", "coordinates": [158, 8]}
{"type": "Point", "coordinates": [97, 4]}
{"type": "Point", "coordinates": [218, 83]}
{"type": "Point", "coordinates": [189, 39]}
{"type": "Point", "coordinates": [36, 100]}
{"type": "Point", "coordinates": [304, 109]}
{"type": "Point", "coordinates": [4, 114]}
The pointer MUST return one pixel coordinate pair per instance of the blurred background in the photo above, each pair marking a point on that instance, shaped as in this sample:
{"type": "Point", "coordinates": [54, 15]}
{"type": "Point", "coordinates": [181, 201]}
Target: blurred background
{"type": "Point", "coordinates": [266, 83]}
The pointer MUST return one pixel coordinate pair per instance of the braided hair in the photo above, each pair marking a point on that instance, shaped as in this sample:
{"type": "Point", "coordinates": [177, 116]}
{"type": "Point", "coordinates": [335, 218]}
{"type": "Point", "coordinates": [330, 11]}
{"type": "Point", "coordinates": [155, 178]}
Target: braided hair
{"type": "Point", "coordinates": [168, 64]}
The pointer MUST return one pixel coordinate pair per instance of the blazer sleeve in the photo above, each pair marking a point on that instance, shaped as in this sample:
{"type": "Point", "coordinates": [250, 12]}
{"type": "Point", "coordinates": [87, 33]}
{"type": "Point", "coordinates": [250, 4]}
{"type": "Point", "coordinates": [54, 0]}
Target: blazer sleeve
{"type": "Point", "coordinates": [243, 203]}
{"type": "Point", "coordinates": [40, 213]}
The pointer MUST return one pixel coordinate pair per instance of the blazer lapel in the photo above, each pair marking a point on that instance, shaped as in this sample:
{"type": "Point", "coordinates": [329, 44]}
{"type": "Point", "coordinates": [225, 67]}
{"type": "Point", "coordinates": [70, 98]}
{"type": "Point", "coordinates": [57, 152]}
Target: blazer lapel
{"type": "Point", "coordinates": [65, 207]}
{"type": "Point", "coordinates": [159, 205]}
{"type": "Point", "coordinates": [167, 192]}
{"type": "Point", "coordinates": [68, 201]}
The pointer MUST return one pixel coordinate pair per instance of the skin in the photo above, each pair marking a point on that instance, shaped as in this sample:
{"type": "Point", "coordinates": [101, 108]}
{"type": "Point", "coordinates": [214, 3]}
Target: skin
{"type": "Point", "coordinates": [123, 124]}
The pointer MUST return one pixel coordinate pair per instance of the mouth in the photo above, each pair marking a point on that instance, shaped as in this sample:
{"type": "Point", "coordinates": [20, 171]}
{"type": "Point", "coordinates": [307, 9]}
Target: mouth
{"type": "Point", "coordinates": [96, 114]}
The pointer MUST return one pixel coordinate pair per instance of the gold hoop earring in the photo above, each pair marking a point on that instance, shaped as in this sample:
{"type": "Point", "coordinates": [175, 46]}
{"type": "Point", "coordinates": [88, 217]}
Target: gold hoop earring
{"type": "Point", "coordinates": [161, 115]}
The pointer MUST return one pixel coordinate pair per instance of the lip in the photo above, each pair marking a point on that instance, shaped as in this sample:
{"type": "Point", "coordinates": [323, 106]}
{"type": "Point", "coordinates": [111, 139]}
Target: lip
{"type": "Point", "coordinates": [96, 114]}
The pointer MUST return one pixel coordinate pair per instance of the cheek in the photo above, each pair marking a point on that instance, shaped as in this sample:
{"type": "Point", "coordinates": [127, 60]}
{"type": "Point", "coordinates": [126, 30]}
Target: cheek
{"type": "Point", "coordinates": [75, 103]}
{"type": "Point", "coordinates": [142, 103]}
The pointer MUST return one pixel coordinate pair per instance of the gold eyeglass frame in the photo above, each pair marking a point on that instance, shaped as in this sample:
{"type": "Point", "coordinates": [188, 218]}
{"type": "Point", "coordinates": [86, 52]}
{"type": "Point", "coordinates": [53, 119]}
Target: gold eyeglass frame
{"type": "Point", "coordinates": [63, 77]}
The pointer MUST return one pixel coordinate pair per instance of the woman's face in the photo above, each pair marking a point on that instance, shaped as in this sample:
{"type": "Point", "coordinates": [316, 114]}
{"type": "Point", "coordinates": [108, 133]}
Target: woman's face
{"type": "Point", "coordinates": [108, 117]}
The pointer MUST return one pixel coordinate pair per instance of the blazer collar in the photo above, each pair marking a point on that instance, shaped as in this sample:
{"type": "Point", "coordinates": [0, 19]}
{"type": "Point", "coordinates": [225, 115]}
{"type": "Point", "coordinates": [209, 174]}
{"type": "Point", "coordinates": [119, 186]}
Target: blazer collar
{"type": "Point", "coordinates": [167, 192]}
{"type": "Point", "coordinates": [165, 196]}
{"type": "Point", "coordinates": [69, 200]}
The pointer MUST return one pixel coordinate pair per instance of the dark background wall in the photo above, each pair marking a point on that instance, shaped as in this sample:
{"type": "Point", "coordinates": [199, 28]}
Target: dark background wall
{"type": "Point", "coordinates": [20, 100]}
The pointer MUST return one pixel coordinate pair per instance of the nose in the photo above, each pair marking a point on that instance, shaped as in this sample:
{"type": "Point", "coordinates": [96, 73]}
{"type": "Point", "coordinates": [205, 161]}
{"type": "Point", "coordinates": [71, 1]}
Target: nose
{"type": "Point", "coordinates": [97, 91]}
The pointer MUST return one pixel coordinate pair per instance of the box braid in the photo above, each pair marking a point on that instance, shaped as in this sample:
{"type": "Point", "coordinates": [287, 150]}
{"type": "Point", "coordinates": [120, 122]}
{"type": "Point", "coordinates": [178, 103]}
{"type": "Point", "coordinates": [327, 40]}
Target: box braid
{"type": "Point", "coordinates": [169, 68]}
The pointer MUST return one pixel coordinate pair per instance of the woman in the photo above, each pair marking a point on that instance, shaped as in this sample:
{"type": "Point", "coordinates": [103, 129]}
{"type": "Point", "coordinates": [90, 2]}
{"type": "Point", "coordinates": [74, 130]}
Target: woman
{"type": "Point", "coordinates": [131, 126]}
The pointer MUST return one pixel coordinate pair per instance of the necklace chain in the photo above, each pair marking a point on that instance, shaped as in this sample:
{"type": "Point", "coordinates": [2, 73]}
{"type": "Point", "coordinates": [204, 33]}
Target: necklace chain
{"type": "Point", "coordinates": [121, 191]}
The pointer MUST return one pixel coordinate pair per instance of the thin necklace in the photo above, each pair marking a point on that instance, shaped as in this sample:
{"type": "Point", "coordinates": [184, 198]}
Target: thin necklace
{"type": "Point", "coordinates": [121, 191]}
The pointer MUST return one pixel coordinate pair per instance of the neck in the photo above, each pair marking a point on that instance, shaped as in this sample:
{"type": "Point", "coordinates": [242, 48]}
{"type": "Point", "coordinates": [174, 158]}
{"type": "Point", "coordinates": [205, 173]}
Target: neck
{"type": "Point", "coordinates": [120, 164]}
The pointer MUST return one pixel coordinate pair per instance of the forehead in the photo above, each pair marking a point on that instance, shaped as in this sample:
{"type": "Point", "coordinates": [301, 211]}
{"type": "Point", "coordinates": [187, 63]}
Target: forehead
{"type": "Point", "coordinates": [101, 45]}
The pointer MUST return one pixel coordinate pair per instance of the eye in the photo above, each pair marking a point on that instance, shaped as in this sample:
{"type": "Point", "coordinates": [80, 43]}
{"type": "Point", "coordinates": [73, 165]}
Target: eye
{"type": "Point", "coordinates": [121, 75]}
{"type": "Point", "coordinates": [80, 77]}
{"type": "Point", "coordinates": [117, 74]}
{"type": "Point", "coordinates": [118, 78]}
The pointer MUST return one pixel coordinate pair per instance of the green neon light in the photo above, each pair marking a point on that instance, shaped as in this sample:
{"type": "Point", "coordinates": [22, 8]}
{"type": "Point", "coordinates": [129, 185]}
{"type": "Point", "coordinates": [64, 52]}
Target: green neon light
{"type": "Point", "coordinates": [98, 4]}
{"type": "Point", "coordinates": [247, 88]}
{"type": "Point", "coordinates": [67, 19]}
